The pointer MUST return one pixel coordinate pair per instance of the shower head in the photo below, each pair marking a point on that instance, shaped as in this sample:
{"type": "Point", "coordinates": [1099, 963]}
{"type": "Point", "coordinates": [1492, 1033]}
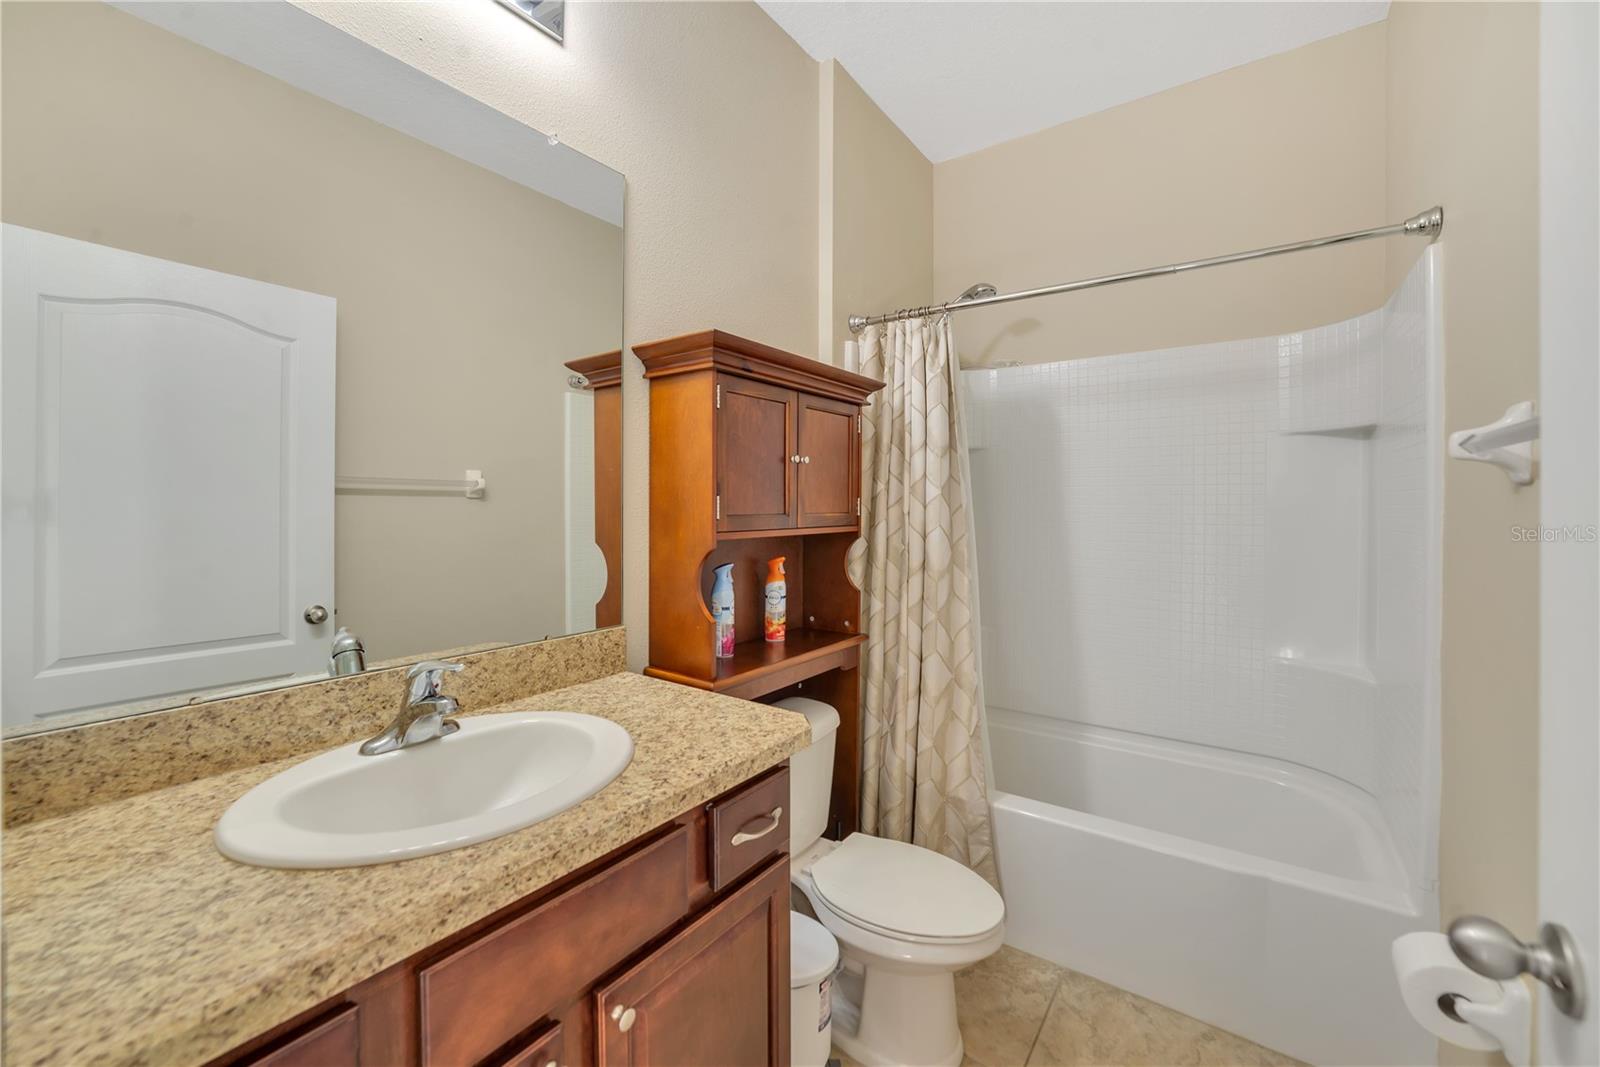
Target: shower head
{"type": "Point", "coordinates": [976, 292]}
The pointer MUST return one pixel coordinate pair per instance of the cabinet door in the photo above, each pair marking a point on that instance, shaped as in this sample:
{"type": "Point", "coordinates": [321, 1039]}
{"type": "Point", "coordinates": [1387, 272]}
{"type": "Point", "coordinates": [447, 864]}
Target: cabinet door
{"type": "Point", "coordinates": [716, 993]}
{"type": "Point", "coordinates": [755, 455]}
{"type": "Point", "coordinates": [829, 466]}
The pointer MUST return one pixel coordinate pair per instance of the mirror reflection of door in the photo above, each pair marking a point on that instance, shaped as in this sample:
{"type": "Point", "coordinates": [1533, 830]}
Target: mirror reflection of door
{"type": "Point", "coordinates": [168, 448]}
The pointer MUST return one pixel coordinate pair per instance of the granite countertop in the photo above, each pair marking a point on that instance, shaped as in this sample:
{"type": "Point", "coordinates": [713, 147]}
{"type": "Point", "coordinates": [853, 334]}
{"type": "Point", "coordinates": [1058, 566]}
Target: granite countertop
{"type": "Point", "coordinates": [129, 939]}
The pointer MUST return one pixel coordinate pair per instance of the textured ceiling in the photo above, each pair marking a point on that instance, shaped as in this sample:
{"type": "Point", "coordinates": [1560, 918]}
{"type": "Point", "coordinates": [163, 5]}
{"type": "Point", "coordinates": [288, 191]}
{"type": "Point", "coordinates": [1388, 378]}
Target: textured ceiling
{"type": "Point", "coordinates": [957, 77]}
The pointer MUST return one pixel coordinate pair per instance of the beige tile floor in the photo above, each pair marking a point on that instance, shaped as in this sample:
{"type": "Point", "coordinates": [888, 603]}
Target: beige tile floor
{"type": "Point", "coordinates": [1017, 1010]}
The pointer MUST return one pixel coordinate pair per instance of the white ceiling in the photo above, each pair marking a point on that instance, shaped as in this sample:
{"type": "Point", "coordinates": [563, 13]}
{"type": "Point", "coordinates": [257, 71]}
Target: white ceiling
{"type": "Point", "coordinates": [957, 77]}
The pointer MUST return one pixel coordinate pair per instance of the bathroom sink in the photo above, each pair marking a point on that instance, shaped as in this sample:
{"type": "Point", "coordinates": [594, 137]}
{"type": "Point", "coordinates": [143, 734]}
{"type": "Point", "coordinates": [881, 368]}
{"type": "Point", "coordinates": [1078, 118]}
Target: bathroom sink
{"type": "Point", "coordinates": [498, 773]}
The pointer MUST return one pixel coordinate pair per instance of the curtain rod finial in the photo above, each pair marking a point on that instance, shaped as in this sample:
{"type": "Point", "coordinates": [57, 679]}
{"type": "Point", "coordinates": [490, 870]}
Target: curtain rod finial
{"type": "Point", "coordinates": [858, 323]}
{"type": "Point", "coordinates": [1428, 224]}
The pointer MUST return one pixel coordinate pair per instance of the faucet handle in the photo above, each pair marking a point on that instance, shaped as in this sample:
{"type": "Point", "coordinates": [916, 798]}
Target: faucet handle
{"type": "Point", "coordinates": [426, 677]}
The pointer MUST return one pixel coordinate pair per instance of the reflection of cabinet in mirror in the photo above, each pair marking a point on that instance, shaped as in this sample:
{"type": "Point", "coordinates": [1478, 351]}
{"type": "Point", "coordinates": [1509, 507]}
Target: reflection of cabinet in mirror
{"type": "Point", "coordinates": [602, 377]}
{"type": "Point", "coordinates": [756, 453]}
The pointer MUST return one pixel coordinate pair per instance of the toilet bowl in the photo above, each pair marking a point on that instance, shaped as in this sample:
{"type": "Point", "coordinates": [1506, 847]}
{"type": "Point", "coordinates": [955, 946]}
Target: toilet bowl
{"type": "Point", "coordinates": [906, 920]}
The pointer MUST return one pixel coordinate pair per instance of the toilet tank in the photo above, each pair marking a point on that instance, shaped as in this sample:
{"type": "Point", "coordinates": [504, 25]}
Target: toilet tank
{"type": "Point", "coordinates": [811, 773]}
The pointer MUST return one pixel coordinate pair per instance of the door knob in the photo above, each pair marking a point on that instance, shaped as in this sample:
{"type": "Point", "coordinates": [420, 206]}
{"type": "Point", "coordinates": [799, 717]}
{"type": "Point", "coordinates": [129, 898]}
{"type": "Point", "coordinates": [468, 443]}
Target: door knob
{"type": "Point", "coordinates": [1495, 952]}
{"type": "Point", "coordinates": [316, 615]}
{"type": "Point", "coordinates": [624, 1017]}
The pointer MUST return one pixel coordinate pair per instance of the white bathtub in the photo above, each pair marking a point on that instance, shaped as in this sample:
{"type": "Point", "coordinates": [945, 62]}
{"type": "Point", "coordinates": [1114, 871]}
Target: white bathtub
{"type": "Point", "coordinates": [1256, 895]}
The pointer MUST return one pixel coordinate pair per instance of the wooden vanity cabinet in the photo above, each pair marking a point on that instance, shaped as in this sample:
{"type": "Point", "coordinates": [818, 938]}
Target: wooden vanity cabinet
{"type": "Point", "coordinates": [643, 957]}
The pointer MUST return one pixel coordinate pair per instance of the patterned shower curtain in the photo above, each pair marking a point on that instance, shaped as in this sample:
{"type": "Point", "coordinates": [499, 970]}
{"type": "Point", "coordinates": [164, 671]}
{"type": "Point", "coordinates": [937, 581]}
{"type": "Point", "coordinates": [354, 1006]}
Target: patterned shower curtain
{"type": "Point", "coordinates": [923, 777]}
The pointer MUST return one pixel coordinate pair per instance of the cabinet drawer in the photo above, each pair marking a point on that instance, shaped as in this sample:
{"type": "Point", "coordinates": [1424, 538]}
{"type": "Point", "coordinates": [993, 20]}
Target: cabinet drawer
{"type": "Point", "coordinates": [543, 1049]}
{"type": "Point", "coordinates": [486, 992]}
{"type": "Point", "coordinates": [747, 826]}
{"type": "Point", "coordinates": [331, 1041]}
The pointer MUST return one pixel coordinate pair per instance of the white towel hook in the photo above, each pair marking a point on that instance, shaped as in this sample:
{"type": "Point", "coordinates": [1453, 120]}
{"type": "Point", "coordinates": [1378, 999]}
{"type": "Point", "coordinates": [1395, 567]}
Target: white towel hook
{"type": "Point", "coordinates": [1507, 442]}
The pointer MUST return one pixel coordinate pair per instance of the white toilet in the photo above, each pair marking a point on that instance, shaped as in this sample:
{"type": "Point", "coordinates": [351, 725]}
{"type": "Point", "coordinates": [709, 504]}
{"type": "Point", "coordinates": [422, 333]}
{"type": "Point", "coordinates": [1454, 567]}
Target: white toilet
{"type": "Point", "coordinates": [906, 919]}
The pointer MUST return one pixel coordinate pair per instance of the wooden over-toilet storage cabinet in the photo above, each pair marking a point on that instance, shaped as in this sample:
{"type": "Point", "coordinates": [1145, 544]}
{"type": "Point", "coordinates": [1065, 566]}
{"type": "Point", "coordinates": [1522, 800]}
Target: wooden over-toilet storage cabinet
{"type": "Point", "coordinates": [755, 453]}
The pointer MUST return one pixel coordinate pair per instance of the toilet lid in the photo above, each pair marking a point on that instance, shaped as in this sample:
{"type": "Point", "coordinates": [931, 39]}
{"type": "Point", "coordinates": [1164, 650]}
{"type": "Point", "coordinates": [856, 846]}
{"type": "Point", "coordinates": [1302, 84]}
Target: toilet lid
{"type": "Point", "coordinates": [906, 889]}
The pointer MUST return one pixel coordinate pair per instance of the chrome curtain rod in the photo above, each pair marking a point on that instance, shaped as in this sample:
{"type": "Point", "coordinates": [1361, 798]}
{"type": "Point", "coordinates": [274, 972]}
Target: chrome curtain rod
{"type": "Point", "coordinates": [1428, 224]}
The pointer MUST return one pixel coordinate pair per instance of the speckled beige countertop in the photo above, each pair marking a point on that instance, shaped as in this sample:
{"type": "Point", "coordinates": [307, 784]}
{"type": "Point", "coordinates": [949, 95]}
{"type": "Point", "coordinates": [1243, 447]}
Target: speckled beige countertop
{"type": "Point", "coordinates": [130, 940]}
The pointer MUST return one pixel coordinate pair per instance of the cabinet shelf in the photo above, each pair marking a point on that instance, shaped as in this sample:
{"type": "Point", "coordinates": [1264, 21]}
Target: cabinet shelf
{"type": "Point", "coordinates": [760, 667]}
{"type": "Point", "coordinates": [802, 531]}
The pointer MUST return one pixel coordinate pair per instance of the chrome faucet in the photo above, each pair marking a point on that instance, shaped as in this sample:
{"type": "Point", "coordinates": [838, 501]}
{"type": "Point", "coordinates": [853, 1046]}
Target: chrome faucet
{"type": "Point", "coordinates": [424, 711]}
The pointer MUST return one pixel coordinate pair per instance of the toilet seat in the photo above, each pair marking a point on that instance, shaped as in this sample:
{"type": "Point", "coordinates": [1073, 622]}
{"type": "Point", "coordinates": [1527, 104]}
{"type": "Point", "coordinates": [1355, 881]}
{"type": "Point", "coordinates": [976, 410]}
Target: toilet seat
{"type": "Point", "coordinates": [906, 892]}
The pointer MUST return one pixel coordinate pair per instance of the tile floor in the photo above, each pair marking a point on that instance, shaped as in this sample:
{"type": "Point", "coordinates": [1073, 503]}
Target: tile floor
{"type": "Point", "coordinates": [1017, 1010]}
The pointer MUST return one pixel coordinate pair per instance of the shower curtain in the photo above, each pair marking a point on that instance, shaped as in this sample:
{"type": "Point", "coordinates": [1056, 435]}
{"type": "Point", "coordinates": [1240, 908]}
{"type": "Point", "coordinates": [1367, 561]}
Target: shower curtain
{"type": "Point", "coordinates": [923, 777]}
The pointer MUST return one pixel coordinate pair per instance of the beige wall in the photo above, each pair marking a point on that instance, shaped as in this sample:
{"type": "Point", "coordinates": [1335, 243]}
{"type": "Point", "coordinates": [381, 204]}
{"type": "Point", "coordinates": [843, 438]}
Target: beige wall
{"type": "Point", "coordinates": [711, 112]}
{"type": "Point", "coordinates": [1463, 131]}
{"type": "Point", "coordinates": [1278, 150]}
{"type": "Point", "coordinates": [882, 211]}
{"type": "Point", "coordinates": [454, 315]}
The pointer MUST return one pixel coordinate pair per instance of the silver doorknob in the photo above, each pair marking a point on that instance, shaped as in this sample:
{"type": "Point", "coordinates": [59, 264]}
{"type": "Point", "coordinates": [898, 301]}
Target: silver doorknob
{"type": "Point", "coordinates": [316, 615]}
{"type": "Point", "coordinates": [1495, 952]}
{"type": "Point", "coordinates": [624, 1017]}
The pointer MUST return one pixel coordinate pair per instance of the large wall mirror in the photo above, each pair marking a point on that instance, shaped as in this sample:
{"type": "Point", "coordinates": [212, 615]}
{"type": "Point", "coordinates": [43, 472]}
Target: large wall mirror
{"type": "Point", "coordinates": [296, 341]}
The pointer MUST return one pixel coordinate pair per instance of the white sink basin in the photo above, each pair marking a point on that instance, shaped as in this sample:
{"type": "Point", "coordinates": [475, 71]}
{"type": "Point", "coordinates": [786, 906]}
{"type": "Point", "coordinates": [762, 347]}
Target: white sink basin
{"type": "Point", "coordinates": [497, 774]}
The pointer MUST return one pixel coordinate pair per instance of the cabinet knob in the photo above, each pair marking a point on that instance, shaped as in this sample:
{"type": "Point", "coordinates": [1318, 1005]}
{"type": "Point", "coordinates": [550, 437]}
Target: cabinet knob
{"type": "Point", "coordinates": [795, 458]}
{"type": "Point", "coordinates": [624, 1017]}
{"type": "Point", "coordinates": [805, 459]}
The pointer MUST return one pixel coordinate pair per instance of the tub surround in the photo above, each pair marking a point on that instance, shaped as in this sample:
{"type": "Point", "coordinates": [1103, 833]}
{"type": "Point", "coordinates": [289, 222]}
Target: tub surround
{"type": "Point", "coordinates": [131, 940]}
{"type": "Point", "coordinates": [52, 774]}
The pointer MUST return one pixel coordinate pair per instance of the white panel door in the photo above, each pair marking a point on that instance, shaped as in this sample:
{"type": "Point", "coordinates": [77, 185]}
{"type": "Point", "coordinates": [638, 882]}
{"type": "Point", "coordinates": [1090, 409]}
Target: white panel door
{"type": "Point", "coordinates": [167, 473]}
{"type": "Point", "coordinates": [1569, 514]}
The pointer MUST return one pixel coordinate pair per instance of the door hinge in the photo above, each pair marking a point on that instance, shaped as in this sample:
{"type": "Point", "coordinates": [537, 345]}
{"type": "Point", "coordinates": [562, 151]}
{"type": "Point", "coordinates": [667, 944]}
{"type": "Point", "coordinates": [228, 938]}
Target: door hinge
{"type": "Point", "coordinates": [858, 505]}
{"type": "Point", "coordinates": [719, 506]}
{"type": "Point", "coordinates": [858, 425]}
{"type": "Point", "coordinates": [719, 398]}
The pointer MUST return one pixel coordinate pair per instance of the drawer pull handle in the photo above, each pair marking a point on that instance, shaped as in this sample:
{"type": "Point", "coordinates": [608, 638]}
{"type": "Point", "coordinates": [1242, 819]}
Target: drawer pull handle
{"type": "Point", "coordinates": [624, 1017]}
{"type": "Point", "coordinates": [775, 816]}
